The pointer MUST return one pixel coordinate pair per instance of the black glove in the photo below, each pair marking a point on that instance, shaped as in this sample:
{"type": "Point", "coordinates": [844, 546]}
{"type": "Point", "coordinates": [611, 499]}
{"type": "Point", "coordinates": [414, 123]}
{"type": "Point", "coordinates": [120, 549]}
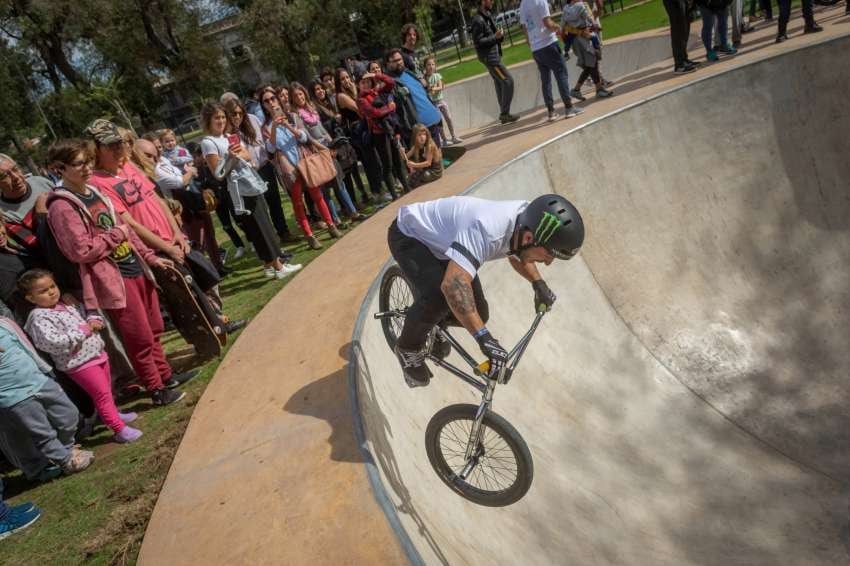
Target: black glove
{"type": "Point", "coordinates": [491, 348]}
{"type": "Point", "coordinates": [543, 295]}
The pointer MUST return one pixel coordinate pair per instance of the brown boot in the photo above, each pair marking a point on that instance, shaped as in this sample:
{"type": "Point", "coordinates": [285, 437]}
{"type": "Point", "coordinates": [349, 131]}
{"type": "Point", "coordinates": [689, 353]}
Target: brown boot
{"type": "Point", "coordinates": [313, 242]}
{"type": "Point", "coordinates": [334, 231]}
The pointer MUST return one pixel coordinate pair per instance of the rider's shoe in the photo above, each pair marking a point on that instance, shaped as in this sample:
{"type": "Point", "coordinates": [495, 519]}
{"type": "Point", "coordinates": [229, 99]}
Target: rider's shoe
{"type": "Point", "coordinates": [441, 348]}
{"type": "Point", "coordinates": [416, 373]}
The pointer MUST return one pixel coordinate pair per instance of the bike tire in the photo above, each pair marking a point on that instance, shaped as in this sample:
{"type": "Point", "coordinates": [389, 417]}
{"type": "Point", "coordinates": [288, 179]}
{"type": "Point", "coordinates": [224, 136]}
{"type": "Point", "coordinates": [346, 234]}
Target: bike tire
{"type": "Point", "coordinates": [496, 426]}
{"type": "Point", "coordinates": [392, 296]}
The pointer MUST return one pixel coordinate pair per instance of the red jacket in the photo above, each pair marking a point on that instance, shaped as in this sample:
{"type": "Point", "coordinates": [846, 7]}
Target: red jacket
{"type": "Point", "coordinates": [365, 98]}
{"type": "Point", "coordinates": [89, 246]}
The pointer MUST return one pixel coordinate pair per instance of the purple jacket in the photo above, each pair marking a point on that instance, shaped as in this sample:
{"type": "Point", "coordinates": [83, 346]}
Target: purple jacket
{"type": "Point", "coordinates": [88, 245]}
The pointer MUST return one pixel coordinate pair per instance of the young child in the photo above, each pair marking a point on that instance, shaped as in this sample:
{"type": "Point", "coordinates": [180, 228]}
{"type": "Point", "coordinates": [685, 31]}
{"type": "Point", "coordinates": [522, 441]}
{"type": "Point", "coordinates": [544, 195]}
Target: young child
{"type": "Point", "coordinates": [34, 405]}
{"type": "Point", "coordinates": [424, 160]}
{"type": "Point", "coordinates": [177, 155]}
{"type": "Point", "coordinates": [435, 93]}
{"type": "Point", "coordinates": [578, 29]}
{"type": "Point", "coordinates": [74, 343]}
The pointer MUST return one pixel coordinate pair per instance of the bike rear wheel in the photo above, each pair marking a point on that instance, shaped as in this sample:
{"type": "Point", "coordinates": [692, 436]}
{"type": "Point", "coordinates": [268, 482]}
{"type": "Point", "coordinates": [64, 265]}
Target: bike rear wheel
{"type": "Point", "coordinates": [396, 294]}
{"type": "Point", "coordinates": [504, 471]}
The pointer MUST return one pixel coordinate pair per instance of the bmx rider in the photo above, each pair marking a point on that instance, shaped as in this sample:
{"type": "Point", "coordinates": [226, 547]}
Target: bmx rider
{"type": "Point", "coordinates": [441, 244]}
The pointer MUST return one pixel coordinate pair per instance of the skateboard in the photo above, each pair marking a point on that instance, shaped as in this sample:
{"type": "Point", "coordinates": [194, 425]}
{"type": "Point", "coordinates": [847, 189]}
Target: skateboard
{"type": "Point", "coordinates": [187, 314]}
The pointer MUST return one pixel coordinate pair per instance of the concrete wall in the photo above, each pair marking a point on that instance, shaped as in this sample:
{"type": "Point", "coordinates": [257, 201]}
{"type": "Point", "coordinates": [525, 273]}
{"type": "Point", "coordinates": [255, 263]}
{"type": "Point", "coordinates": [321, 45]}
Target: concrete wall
{"type": "Point", "coordinates": [473, 100]}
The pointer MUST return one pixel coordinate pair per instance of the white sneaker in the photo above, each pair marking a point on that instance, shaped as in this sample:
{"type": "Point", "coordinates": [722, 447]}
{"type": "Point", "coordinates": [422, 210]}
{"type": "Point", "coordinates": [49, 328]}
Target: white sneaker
{"type": "Point", "coordinates": [239, 253]}
{"type": "Point", "coordinates": [387, 197]}
{"type": "Point", "coordinates": [457, 140]}
{"type": "Point", "coordinates": [269, 272]}
{"type": "Point", "coordinates": [447, 143]}
{"type": "Point", "coordinates": [288, 269]}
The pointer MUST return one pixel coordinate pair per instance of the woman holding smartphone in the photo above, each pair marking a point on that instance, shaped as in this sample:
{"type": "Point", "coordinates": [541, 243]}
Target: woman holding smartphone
{"type": "Point", "coordinates": [283, 137]}
{"type": "Point", "coordinates": [219, 146]}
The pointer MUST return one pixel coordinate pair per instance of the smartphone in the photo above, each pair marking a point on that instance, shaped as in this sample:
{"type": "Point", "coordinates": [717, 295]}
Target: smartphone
{"type": "Point", "coordinates": [233, 139]}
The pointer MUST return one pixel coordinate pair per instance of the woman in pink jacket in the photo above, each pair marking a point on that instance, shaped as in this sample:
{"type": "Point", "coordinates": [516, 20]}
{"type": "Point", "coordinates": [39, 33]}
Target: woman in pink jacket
{"type": "Point", "coordinates": [113, 264]}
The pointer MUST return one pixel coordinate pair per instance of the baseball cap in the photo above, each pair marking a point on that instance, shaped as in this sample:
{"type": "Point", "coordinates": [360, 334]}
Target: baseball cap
{"type": "Point", "coordinates": [104, 132]}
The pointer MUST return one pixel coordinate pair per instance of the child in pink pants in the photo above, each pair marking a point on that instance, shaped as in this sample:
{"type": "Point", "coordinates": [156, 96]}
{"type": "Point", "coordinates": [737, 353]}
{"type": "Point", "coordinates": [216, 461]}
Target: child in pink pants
{"type": "Point", "coordinates": [76, 347]}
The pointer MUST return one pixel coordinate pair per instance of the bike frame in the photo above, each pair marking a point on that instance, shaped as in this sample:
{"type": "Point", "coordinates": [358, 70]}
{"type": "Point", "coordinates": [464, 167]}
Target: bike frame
{"type": "Point", "coordinates": [486, 385]}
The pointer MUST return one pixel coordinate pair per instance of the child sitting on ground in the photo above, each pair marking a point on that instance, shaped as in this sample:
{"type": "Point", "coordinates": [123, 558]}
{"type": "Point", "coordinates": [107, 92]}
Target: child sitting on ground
{"type": "Point", "coordinates": [74, 343]}
{"type": "Point", "coordinates": [578, 30]}
{"type": "Point", "coordinates": [435, 93]}
{"type": "Point", "coordinates": [424, 160]}
{"type": "Point", "coordinates": [177, 155]}
{"type": "Point", "coordinates": [34, 405]}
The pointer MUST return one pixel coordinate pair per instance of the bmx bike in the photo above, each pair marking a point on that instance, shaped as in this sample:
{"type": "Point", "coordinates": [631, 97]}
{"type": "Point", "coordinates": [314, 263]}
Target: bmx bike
{"type": "Point", "coordinates": [473, 450]}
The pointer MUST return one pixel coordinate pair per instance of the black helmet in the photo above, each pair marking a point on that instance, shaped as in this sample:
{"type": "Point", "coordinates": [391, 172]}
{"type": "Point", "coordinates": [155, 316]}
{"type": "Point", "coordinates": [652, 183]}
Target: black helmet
{"type": "Point", "coordinates": [556, 225]}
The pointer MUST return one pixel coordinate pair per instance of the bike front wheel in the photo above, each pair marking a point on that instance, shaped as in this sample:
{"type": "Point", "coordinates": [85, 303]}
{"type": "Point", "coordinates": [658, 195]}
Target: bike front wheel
{"type": "Point", "coordinates": [396, 294]}
{"type": "Point", "coordinates": [503, 471]}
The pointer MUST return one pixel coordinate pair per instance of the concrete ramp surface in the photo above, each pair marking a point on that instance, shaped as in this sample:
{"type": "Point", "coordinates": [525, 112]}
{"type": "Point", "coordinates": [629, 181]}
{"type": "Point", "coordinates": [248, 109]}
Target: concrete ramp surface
{"type": "Point", "coordinates": [686, 402]}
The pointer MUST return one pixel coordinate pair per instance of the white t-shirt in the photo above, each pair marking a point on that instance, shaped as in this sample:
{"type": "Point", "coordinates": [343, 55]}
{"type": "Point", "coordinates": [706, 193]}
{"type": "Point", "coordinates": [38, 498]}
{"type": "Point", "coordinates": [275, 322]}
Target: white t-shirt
{"type": "Point", "coordinates": [466, 230]}
{"type": "Point", "coordinates": [531, 14]}
{"type": "Point", "coordinates": [215, 145]}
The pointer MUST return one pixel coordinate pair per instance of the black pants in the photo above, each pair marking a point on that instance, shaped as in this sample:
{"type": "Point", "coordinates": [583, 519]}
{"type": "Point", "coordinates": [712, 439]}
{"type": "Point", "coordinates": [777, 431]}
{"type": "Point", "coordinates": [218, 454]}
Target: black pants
{"type": "Point", "coordinates": [680, 29]}
{"type": "Point", "coordinates": [765, 6]}
{"type": "Point", "coordinates": [259, 229]}
{"type": "Point", "coordinates": [225, 216]}
{"type": "Point", "coordinates": [272, 197]}
{"type": "Point", "coordinates": [426, 273]}
{"type": "Point", "coordinates": [592, 72]}
{"type": "Point", "coordinates": [504, 83]}
{"type": "Point", "coordinates": [785, 14]}
{"type": "Point", "coordinates": [391, 163]}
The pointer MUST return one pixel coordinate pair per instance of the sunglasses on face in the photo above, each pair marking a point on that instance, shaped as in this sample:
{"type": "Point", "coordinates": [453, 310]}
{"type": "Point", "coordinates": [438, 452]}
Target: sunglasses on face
{"type": "Point", "coordinates": [563, 254]}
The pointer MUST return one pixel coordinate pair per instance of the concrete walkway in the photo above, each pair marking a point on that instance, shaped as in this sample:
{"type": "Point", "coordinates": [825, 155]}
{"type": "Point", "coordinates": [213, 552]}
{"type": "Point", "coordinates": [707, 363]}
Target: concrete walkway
{"type": "Point", "coordinates": [269, 471]}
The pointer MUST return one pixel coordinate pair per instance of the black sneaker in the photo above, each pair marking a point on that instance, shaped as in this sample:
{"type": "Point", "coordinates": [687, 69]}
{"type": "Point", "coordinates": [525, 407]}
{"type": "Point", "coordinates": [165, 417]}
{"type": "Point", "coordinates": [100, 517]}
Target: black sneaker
{"type": "Point", "coordinates": [692, 63]}
{"type": "Point", "coordinates": [684, 69]}
{"type": "Point", "coordinates": [416, 373]}
{"type": "Point", "coordinates": [814, 28]}
{"type": "Point", "coordinates": [234, 325]}
{"type": "Point", "coordinates": [508, 118]}
{"type": "Point", "coordinates": [441, 348]}
{"type": "Point", "coordinates": [178, 379]}
{"type": "Point", "coordinates": [163, 397]}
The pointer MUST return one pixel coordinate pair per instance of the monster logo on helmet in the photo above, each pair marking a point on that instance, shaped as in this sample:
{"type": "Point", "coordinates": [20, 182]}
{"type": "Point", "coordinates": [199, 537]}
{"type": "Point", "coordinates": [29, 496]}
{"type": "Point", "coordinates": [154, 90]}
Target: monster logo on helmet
{"type": "Point", "coordinates": [556, 225]}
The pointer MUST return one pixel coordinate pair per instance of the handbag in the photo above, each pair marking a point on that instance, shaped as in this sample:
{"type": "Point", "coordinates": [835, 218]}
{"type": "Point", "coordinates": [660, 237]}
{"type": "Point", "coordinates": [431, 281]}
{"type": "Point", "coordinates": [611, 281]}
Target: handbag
{"type": "Point", "coordinates": [316, 165]}
{"type": "Point", "coordinates": [210, 200]}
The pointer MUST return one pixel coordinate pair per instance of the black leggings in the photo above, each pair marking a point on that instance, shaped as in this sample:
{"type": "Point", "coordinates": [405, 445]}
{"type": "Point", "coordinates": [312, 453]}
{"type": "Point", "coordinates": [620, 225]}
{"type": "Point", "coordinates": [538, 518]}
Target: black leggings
{"type": "Point", "coordinates": [391, 164]}
{"type": "Point", "coordinates": [272, 196]}
{"type": "Point", "coordinates": [592, 72]}
{"type": "Point", "coordinates": [225, 214]}
{"type": "Point", "coordinates": [426, 273]}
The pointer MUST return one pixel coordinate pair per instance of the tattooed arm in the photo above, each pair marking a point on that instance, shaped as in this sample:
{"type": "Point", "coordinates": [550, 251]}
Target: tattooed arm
{"type": "Point", "coordinates": [457, 288]}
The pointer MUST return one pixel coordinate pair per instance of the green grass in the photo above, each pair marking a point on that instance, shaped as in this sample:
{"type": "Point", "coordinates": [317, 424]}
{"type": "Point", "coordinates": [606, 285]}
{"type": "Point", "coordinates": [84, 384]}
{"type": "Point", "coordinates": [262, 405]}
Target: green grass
{"type": "Point", "coordinates": [99, 516]}
{"type": "Point", "coordinates": [642, 17]}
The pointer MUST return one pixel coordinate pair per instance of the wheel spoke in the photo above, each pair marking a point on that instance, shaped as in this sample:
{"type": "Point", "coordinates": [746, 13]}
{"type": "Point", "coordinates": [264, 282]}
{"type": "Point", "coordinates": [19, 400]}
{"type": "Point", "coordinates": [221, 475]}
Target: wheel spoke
{"type": "Point", "coordinates": [497, 468]}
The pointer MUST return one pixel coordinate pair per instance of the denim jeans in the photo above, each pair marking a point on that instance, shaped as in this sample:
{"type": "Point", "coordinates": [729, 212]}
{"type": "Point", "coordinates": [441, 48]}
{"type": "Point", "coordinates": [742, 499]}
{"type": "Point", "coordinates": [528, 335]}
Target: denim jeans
{"type": "Point", "coordinates": [550, 61]}
{"type": "Point", "coordinates": [708, 19]}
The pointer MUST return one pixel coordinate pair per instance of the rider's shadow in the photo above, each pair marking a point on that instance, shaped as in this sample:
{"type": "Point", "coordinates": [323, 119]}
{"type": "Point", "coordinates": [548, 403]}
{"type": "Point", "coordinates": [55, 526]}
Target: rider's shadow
{"type": "Point", "coordinates": [327, 399]}
{"type": "Point", "coordinates": [382, 455]}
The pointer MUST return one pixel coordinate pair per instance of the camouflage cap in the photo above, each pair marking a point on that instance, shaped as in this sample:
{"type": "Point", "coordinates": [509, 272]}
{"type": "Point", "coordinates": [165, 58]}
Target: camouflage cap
{"type": "Point", "coordinates": [104, 132]}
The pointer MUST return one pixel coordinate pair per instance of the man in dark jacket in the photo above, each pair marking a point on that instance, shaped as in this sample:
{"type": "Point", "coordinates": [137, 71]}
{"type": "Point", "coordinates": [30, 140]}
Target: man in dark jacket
{"type": "Point", "coordinates": [488, 46]}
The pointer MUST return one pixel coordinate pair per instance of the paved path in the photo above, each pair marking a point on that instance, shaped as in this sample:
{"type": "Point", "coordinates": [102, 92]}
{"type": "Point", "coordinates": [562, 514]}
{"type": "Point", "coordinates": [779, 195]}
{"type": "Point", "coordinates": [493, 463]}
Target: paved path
{"type": "Point", "coordinates": [269, 471]}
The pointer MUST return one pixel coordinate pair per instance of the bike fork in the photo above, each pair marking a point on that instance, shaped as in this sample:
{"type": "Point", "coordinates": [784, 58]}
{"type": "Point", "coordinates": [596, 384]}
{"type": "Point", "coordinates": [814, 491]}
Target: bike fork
{"type": "Point", "coordinates": [474, 448]}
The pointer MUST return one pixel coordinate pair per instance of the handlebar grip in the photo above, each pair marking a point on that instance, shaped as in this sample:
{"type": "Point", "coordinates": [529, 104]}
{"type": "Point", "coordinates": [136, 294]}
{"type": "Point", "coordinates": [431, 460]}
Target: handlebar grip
{"type": "Point", "coordinates": [542, 308]}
